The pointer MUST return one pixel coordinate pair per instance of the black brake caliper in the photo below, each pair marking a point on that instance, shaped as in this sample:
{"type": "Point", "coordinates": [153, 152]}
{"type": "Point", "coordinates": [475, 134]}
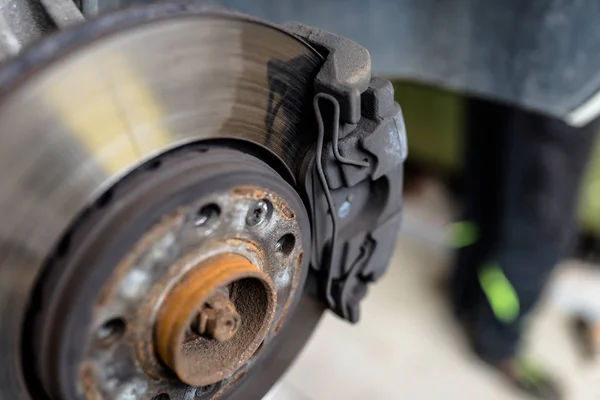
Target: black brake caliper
{"type": "Point", "coordinates": [353, 179]}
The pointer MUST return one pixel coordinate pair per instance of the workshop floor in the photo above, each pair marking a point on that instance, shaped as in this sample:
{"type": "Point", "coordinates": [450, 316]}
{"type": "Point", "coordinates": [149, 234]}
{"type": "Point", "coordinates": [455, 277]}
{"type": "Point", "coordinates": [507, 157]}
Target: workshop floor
{"type": "Point", "coordinates": [407, 346]}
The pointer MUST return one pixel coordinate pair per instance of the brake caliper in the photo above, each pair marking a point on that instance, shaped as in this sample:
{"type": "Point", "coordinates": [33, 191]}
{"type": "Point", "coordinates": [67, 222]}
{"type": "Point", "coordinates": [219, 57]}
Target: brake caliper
{"type": "Point", "coordinates": [352, 180]}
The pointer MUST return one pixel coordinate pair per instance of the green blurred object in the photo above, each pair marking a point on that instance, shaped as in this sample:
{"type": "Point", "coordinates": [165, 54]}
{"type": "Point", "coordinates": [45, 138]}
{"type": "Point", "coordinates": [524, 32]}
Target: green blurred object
{"type": "Point", "coordinates": [502, 296]}
{"type": "Point", "coordinates": [589, 200]}
{"type": "Point", "coordinates": [463, 234]}
{"type": "Point", "coordinates": [435, 126]}
{"type": "Point", "coordinates": [434, 123]}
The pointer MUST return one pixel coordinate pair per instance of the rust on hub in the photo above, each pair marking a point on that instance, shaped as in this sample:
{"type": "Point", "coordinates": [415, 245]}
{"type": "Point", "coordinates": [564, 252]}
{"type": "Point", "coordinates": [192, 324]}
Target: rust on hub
{"type": "Point", "coordinates": [218, 318]}
{"type": "Point", "coordinates": [214, 319]}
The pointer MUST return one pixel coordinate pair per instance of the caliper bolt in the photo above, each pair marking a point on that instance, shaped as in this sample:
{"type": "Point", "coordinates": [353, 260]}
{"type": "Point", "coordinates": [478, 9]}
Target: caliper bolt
{"type": "Point", "coordinates": [344, 209]}
{"type": "Point", "coordinates": [258, 213]}
{"type": "Point", "coordinates": [218, 319]}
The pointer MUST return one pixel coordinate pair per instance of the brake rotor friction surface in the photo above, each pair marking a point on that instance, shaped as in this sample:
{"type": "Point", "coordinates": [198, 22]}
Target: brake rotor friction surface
{"type": "Point", "coordinates": [89, 108]}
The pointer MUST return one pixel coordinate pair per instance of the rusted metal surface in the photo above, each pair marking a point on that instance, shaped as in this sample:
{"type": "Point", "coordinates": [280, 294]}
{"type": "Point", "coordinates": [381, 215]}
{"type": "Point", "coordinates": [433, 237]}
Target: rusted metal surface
{"type": "Point", "coordinates": [88, 381]}
{"type": "Point", "coordinates": [196, 359]}
{"type": "Point", "coordinates": [218, 318]}
{"type": "Point", "coordinates": [281, 208]}
{"type": "Point", "coordinates": [171, 250]}
{"type": "Point", "coordinates": [258, 194]}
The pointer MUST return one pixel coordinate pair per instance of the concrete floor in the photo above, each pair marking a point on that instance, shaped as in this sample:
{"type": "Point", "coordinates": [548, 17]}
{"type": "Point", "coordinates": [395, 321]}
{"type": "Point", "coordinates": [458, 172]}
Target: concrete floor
{"type": "Point", "coordinates": [407, 346]}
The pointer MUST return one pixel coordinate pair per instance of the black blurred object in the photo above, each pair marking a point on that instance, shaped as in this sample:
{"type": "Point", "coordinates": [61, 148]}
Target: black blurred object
{"type": "Point", "coordinates": [521, 183]}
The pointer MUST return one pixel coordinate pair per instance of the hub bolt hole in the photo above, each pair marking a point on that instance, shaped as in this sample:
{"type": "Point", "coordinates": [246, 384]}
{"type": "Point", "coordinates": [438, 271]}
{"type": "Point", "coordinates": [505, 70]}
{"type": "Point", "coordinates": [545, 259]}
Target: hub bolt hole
{"type": "Point", "coordinates": [162, 396]}
{"type": "Point", "coordinates": [259, 212]}
{"type": "Point", "coordinates": [286, 244]}
{"type": "Point", "coordinates": [111, 331]}
{"type": "Point", "coordinates": [207, 216]}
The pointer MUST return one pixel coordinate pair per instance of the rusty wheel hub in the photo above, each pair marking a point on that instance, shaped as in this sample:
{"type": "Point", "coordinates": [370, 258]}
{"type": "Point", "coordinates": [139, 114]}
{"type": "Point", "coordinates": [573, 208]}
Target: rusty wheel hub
{"type": "Point", "coordinates": [184, 273]}
{"type": "Point", "coordinates": [214, 319]}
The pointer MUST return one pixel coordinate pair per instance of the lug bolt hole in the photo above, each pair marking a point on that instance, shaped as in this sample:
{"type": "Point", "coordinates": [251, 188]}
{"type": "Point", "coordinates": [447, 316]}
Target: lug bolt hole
{"type": "Point", "coordinates": [259, 212]}
{"type": "Point", "coordinates": [207, 216]}
{"type": "Point", "coordinates": [111, 331]}
{"type": "Point", "coordinates": [286, 244]}
{"type": "Point", "coordinates": [162, 396]}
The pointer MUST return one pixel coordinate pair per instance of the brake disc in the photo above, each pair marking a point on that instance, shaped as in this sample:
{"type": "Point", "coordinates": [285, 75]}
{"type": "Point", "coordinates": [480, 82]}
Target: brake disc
{"type": "Point", "coordinates": [166, 190]}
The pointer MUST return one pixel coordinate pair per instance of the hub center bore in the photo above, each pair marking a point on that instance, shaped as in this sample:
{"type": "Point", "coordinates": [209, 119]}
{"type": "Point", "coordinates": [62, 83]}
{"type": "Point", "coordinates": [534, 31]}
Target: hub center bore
{"type": "Point", "coordinates": [213, 320]}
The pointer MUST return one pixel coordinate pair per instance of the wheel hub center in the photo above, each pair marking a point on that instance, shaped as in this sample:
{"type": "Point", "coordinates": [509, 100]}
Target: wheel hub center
{"type": "Point", "coordinates": [214, 318]}
{"type": "Point", "coordinates": [176, 279]}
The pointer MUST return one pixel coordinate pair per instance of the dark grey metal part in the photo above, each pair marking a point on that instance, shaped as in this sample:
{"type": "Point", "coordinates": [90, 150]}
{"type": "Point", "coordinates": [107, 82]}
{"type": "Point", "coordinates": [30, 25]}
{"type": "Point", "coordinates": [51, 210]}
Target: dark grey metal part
{"type": "Point", "coordinates": [356, 210]}
{"type": "Point", "coordinates": [379, 137]}
{"type": "Point", "coordinates": [347, 69]}
{"type": "Point", "coordinates": [365, 238]}
{"type": "Point", "coordinates": [63, 12]}
{"type": "Point", "coordinates": [23, 22]}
